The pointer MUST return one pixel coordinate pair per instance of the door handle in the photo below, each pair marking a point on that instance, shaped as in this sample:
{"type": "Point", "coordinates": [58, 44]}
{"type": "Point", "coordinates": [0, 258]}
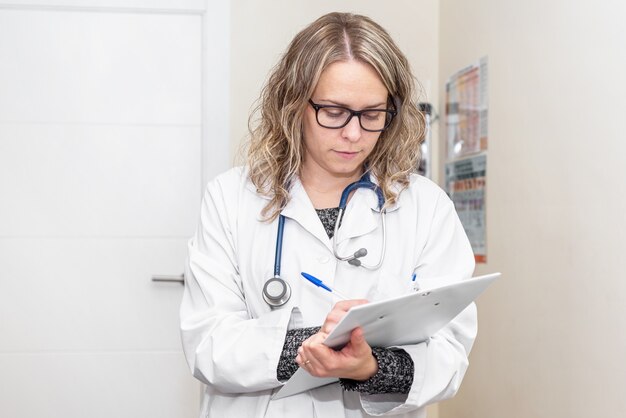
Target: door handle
{"type": "Point", "coordinates": [169, 279]}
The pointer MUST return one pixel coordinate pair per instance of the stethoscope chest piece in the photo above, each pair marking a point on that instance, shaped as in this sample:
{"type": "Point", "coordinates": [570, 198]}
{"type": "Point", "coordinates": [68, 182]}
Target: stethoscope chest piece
{"type": "Point", "coordinates": [276, 292]}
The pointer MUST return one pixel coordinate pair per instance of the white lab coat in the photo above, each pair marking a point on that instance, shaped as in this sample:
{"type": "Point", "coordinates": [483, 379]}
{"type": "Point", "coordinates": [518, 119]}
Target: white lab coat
{"type": "Point", "coordinates": [232, 339]}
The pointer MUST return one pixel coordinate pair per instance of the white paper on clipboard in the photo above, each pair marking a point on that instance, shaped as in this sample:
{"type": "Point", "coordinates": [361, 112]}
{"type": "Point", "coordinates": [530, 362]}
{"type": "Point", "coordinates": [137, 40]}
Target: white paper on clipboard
{"type": "Point", "coordinates": [408, 319]}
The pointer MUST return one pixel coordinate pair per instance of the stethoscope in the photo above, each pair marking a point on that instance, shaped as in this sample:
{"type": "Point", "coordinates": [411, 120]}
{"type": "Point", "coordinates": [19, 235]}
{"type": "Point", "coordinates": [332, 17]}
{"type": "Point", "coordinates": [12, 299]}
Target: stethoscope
{"type": "Point", "coordinates": [276, 291]}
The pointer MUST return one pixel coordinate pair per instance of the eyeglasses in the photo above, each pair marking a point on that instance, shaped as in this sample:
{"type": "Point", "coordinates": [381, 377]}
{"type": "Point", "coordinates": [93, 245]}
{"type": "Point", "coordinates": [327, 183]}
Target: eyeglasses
{"type": "Point", "coordinates": [336, 117]}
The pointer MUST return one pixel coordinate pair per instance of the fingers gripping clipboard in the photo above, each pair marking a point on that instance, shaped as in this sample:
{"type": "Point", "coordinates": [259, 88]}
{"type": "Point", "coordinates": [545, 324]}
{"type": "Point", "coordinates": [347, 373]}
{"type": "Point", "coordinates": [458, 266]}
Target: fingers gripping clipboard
{"type": "Point", "coordinates": [408, 319]}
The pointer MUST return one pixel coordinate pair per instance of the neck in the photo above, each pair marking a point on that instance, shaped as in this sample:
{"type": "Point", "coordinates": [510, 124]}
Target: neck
{"type": "Point", "coordinates": [325, 191]}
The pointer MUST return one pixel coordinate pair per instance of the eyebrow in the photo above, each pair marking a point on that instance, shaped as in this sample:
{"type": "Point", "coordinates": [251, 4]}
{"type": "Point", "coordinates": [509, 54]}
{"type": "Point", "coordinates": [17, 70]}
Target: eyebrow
{"type": "Point", "coordinates": [336, 103]}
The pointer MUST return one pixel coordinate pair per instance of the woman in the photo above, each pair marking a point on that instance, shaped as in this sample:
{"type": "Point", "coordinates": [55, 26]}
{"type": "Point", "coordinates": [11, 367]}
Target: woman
{"type": "Point", "coordinates": [338, 108]}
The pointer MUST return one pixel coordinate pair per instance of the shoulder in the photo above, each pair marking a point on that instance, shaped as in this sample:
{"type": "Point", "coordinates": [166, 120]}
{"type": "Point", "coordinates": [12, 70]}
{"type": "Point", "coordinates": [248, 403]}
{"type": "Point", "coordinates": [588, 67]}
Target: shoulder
{"type": "Point", "coordinates": [424, 200]}
{"type": "Point", "coordinates": [232, 187]}
{"type": "Point", "coordinates": [230, 181]}
{"type": "Point", "coordinates": [423, 190]}
{"type": "Point", "coordinates": [229, 178]}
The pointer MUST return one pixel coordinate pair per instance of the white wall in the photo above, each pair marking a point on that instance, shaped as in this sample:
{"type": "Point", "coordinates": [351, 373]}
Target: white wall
{"type": "Point", "coordinates": [552, 333]}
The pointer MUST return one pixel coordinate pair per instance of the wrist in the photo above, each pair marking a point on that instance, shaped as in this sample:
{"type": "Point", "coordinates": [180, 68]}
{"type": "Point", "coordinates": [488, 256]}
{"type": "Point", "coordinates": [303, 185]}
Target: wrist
{"type": "Point", "coordinates": [370, 369]}
{"type": "Point", "coordinates": [394, 375]}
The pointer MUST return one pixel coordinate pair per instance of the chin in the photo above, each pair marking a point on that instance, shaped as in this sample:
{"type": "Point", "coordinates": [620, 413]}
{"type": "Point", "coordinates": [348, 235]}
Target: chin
{"type": "Point", "coordinates": [348, 171]}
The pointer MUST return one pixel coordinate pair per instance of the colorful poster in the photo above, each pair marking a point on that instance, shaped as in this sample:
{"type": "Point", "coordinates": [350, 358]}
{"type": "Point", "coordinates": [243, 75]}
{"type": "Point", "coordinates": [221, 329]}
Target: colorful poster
{"type": "Point", "coordinates": [465, 184]}
{"type": "Point", "coordinates": [467, 111]}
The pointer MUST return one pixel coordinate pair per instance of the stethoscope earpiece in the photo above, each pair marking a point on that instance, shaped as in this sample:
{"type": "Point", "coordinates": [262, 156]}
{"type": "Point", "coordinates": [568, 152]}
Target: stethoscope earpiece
{"type": "Point", "coordinates": [354, 260]}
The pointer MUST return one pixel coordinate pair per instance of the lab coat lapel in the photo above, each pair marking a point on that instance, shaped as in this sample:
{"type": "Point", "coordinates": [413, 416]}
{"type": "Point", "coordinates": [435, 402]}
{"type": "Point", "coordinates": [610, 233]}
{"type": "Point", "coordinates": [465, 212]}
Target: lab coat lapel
{"type": "Point", "coordinates": [362, 214]}
{"type": "Point", "coordinates": [360, 217]}
{"type": "Point", "coordinates": [300, 209]}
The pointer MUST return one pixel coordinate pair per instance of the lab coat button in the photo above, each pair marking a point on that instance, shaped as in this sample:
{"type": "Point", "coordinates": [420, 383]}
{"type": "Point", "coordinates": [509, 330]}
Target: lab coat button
{"type": "Point", "coordinates": [323, 259]}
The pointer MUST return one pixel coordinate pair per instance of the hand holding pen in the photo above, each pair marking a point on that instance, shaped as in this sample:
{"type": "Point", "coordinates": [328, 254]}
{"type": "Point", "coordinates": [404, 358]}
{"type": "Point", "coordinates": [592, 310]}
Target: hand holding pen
{"type": "Point", "coordinates": [354, 360]}
{"type": "Point", "coordinates": [339, 309]}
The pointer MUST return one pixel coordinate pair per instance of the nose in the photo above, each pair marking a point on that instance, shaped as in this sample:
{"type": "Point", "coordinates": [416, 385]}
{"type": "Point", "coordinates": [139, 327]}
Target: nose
{"type": "Point", "coordinates": [352, 131]}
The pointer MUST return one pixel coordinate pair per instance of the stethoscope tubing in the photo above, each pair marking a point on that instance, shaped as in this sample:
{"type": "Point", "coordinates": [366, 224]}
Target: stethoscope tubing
{"type": "Point", "coordinates": [279, 245]}
{"type": "Point", "coordinates": [363, 182]}
{"type": "Point", "coordinates": [279, 298]}
{"type": "Point", "coordinates": [366, 183]}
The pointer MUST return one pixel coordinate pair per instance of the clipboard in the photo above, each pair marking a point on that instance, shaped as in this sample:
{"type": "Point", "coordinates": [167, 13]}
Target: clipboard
{"type": "Point", "coordinates": [407, 319]}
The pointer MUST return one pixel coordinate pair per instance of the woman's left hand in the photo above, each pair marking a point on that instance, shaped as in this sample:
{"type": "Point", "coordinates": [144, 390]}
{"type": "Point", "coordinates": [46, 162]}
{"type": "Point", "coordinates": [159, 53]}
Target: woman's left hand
{"type": "Point", "coordinates": [354, 361]}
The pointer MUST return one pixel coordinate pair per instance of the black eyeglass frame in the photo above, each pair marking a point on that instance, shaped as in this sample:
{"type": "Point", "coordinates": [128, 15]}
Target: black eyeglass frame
{"type": "Point", "coordinates": [391, 113]}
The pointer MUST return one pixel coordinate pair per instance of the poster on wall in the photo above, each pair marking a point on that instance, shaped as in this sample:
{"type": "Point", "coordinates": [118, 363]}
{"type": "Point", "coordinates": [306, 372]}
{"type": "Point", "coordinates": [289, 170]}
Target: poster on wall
{"type": "Point", "coordinates": [465, 184]}
{"type": "Point", "coordinates": [467, 110]}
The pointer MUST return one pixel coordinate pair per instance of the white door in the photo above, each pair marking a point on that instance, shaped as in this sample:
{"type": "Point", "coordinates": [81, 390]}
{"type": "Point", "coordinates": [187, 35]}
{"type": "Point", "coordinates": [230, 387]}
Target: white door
{"type": "Point", "coordinates": [100, 178]}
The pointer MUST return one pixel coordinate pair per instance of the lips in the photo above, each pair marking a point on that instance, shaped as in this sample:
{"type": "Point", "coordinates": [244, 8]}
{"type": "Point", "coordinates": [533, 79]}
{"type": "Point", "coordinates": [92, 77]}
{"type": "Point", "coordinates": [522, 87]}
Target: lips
{"type": "Point", "coordinates": [347, 154]}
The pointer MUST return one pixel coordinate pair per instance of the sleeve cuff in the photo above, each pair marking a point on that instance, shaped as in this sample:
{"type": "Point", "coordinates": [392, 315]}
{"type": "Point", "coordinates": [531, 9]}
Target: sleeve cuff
{"type": "Point", "coordinates": [395, 374]}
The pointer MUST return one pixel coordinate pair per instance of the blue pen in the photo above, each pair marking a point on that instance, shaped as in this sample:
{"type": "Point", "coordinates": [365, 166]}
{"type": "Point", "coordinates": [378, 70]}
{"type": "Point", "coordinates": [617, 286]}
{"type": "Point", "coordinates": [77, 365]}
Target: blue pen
{"type": "Point", "coordinates": [414, 282]}
{"type": "Point", "coordinates": [317, 282]}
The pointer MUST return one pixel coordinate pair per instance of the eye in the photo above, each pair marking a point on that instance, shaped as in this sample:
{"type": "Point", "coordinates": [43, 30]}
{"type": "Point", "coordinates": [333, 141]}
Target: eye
{"type": "Point", "coordinates": [334, 112]}
{"type": "Point", "coordinates": [372, 116]}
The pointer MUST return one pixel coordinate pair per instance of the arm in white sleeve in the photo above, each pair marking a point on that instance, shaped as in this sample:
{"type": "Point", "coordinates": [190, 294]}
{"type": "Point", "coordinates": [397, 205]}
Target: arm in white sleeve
{"type": "Point", "coordinates": [224, 347]}
{"type": "Point", "coordinates": [440, 363]}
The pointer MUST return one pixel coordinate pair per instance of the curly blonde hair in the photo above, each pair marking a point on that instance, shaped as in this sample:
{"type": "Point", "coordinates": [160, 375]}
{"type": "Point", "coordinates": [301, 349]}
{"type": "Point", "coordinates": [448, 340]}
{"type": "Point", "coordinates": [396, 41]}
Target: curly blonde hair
{"type": "Point", "coordinates": [275, 150]}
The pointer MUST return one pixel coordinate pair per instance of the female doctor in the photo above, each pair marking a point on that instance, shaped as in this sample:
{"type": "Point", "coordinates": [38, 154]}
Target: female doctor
{"type": "Point", "coordinates": [328, 189]}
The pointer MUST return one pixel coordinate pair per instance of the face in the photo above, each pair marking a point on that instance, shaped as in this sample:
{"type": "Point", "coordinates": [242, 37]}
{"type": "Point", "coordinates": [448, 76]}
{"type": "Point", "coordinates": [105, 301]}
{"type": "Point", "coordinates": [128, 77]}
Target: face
{"type": "Point", "coordinates": [340, 153]}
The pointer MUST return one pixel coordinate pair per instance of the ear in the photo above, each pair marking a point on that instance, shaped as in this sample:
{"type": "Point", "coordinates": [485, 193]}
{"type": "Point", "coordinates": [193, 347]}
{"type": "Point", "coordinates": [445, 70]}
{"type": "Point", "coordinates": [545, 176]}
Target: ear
{"type": "Point", "coordinates": [397, 103]}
